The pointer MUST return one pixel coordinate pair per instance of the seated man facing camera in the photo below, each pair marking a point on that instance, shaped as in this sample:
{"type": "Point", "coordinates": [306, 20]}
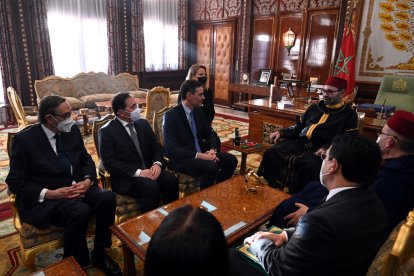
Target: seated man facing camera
{"type": "Point", "coordinates": [343, 234]}
{"type": "Point", "coordinates": [296, 161]}
{"type": "Point", "coordinates": [54, 179]}
{"type": "Point", "coordinates": [190, 142]}
{"type": "Point", "coordinates": [189, 242]}
{"type": "Point", "coordinates": [132, 155]}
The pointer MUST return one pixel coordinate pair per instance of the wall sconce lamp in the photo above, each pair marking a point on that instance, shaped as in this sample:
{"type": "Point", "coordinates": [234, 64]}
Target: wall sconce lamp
{"type": "Point", "coordinates": [289, 40]}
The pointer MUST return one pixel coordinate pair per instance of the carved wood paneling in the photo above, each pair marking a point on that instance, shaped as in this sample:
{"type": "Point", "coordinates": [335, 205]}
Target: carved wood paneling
{"type": "Point", "coordinates": [223, 60]}
{"type": "Point", "coordinates": [265, 7]}
{"type": "Point", "coordinates": [262, 46]}
{"type": "Point", "coordinates": [320, 44]}
{"type": "Point", "coordinates": [214, 9]}
{"type": "Point", "coordinates": [197, 10]}
{"type": "Point", "coordinates": [289, 64]}
{"type": "Point", "coordinates": [293, 5]}
{"type": "Point", "coordinates": [232, 8]}
{"type": "Point", "coordinates": [324, 3]}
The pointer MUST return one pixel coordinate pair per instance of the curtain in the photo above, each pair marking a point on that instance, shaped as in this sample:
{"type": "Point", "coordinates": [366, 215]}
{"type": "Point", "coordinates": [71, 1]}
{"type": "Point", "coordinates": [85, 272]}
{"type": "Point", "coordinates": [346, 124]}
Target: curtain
{"type": "Point", "coordinates": [125, 36]}
{"type": "Point", "coordinates": [24, 46]}
{"type": "Point", "coordinates": [183, 15]}
{"type": "Point", "coordinates": [161, 34]}
{"type": "Point", "coordinates": [78, 35]}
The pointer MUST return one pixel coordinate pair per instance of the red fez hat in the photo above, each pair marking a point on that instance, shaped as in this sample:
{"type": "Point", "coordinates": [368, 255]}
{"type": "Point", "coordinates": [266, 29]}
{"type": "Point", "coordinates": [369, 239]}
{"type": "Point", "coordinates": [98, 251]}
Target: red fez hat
{"type": "Point", "coordinates": [402, 122]}
{"type": "Point", "coordinates": [336, 82]}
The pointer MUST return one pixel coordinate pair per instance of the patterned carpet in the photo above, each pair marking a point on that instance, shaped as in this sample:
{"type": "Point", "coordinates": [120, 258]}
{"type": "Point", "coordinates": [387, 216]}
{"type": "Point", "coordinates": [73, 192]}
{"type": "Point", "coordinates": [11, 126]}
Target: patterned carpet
{"type": "Point", "coordinates": [10, 262]}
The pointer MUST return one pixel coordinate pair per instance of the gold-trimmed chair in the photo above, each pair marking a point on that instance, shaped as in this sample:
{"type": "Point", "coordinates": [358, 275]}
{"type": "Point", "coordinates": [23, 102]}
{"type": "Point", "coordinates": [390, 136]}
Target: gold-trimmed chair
{"type": "Point", "coordinates": [396, 256]}
{"type": "Point", "coordinates": [34, 240]}
{"type": "Point", "coordinates": [126, 206]}
{"type": "Point", "coordinates": [187, 184]}
{"type": "Point", "coordinates": [24, 115]}
{"type": "Point", "coordinates": [157, 99]}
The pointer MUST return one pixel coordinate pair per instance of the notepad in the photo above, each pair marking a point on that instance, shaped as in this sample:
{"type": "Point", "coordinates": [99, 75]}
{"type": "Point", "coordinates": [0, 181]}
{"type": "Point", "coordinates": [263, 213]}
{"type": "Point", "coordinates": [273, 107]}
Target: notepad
{"type": "Point", "coordinates": [162, 211]}
{"type": "Point", "coordinates": [143, 238]}
{"type": "Point", "coordinates": [234, 228]}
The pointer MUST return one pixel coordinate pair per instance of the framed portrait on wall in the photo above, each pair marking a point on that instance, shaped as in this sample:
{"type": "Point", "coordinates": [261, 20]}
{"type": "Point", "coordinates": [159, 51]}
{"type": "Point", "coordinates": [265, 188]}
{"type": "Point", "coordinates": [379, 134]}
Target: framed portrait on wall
{"type": "Point", "coordinates": [264, 76]}
{"type": "Point", "coordinates": [245, 78]}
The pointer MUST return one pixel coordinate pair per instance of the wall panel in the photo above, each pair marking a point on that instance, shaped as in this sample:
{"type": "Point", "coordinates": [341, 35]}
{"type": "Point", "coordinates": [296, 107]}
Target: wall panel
{"type": "Point", "coordinates": [320, 44]}
{"type": "Point", "coordinates": [262, 46]}
{"type": "Point", "coordinates": [292, 63]}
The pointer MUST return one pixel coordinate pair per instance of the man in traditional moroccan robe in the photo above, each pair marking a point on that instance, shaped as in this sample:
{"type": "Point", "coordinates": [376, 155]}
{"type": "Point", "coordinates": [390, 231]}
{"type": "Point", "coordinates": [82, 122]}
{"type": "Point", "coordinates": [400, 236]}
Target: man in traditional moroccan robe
{"type": "Point", "coordinates": [296, 161]}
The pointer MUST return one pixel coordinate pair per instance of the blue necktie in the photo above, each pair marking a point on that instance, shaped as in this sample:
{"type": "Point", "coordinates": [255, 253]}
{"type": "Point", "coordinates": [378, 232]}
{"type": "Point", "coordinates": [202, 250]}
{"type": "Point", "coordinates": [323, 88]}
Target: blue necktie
{"type": "Point", "coordinates": [61, 155]}
{"type": "Point", "coordinates": [194, 131]}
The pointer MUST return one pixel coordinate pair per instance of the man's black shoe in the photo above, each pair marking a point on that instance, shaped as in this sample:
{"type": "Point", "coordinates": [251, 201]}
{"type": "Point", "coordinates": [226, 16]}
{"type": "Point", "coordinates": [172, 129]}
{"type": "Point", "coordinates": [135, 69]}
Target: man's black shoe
{"type": "Point", "coordinates": [106, 263]}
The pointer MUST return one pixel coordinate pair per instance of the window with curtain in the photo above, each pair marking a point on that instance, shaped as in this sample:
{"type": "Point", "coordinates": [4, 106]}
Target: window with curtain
{"type": "Point", "coordinates": [161, 34]}
{"type": "Point", "coordinates": [78, 36]}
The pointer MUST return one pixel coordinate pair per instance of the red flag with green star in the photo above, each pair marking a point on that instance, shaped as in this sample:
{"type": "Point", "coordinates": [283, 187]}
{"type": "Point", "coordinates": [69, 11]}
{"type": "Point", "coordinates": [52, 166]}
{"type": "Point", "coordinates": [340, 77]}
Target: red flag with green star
{"type": "Point", "coordinates": [345, 64]}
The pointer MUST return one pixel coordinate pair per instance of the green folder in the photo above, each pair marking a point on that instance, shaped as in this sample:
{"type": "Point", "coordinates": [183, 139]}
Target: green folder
{"type": "Point", "coordinates": [248, 255]}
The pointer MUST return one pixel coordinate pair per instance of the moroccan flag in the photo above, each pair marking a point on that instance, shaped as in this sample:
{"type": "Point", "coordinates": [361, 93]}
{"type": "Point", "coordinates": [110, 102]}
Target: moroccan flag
{"type": "Point", "coordinates": [345, 64]}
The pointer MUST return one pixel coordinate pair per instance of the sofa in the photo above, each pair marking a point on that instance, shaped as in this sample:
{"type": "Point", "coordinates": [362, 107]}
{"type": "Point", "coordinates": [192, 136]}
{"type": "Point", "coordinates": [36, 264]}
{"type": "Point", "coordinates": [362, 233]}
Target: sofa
{"type": "Point", "coordinates": [86, 89]}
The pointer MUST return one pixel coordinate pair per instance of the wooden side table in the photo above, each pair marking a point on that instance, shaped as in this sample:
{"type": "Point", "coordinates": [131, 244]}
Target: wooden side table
{"type": "Point", "coordinates": [245, 152]}
{"type": "Point", "coordinates": [66, 267]}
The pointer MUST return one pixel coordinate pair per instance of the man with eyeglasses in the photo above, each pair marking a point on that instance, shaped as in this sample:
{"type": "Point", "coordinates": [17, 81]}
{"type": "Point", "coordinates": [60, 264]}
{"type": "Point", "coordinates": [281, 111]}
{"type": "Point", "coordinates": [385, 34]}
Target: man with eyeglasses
{"type": "Point", "coordinates": [295, 161]}
{"type": "Point", "coordinates": [54, 179]}
{"type": "Point", "coordinates": [343, 234]}
{"type": "Point", "coordinates": [394, 183]}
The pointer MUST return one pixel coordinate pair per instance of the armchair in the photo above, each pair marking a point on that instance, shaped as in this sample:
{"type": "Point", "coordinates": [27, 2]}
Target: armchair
{"type": "Point", "coordinates": [126, 206]}
{"type": "Point", "coordinates": [396, 256]}
{"type": "Point", "coordinates": [24, 115]}
{"type": "Point", "coordinates": [397, 91]}
{"type": "Point", "coordinates": [186, 184]}
{"type": "Point", "coordinates": [157, 99]}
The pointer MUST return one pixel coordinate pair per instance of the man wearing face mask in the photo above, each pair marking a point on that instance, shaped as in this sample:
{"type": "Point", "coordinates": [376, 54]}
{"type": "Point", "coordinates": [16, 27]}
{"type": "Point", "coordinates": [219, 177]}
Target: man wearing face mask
{"type": "Point", "coordinates": [295, 160]}
{"type": "Point", "coordinates": [350, 219]}
{"type": "Point", "coordinates": [132, 155]}
{"type": "Point", "coordinates": [54, 179]}
{"type": "Point", "coordinates": [394, 183]}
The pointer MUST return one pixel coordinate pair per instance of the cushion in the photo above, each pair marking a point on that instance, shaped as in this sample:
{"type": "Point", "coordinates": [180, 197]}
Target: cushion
{"type": "Point", "coordinates": [173, 99]}
{"type": "Point", "coordinates": [75, 103]}
{"type": "Point", "coordinates": [138, 94]}
{"type": "Point", "coordinates": [97, 98]}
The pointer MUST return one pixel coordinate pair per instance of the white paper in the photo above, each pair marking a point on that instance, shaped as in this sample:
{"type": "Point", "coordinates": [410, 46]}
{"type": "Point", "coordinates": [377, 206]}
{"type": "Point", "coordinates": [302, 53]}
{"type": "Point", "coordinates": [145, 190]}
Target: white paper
{"type": "Point", "coordinates": [234, 228]}
{"type": "Point", "coordinates": [162, 211]}
{"type": "Point", "coordinates": [143, 238]}
{"type": "Point", "coordinates": [208, 206]}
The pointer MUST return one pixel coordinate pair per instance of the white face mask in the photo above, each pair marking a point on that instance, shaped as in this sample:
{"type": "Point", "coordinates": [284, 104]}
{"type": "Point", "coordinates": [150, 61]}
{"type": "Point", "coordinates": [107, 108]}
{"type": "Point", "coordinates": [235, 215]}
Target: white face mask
{"type": "Point", "coordinates": [65, 125]}
{"type": "Point", "coordinates": [378, 139]}
{"type": "Point", "coordinates": [321, 174]}
{"type": "Point", "coordinates": [135, 115]}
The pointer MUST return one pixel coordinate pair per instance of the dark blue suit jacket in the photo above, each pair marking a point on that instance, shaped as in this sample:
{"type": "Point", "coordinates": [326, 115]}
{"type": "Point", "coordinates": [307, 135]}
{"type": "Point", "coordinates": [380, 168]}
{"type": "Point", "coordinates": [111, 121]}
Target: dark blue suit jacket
{"type": "Point", "coordinates": [178, 137]}
{"type": "Point", "coordinates": [120, 156]}
{"type": "Point", "coordinates": [34, 166]}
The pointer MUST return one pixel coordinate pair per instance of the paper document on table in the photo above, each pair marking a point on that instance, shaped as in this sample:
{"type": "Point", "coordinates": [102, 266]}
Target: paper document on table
{"type": "Point", "coordinates": [208, 206]}
{"type": "Point", "coordinates": [143, 238]}
{"type": "Point", "coordinates": [162, 211]}
{"type": "Point", "coordinates": [234, 228]}
{"type": "Point", "coordinates": [40, 273]}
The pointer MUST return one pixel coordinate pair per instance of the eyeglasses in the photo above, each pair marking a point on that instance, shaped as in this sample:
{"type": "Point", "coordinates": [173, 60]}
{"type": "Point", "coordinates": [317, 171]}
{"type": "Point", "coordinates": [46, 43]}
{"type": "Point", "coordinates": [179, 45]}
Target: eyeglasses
{"type": "Point", "coordinates": [321, 90]}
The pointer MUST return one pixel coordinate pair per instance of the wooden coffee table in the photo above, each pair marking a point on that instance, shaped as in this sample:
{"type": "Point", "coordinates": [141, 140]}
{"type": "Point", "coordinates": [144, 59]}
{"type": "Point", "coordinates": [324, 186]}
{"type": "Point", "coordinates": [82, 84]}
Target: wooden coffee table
{"type": "Point", "coordinates": [245, 152]}
{"type": "Point", "coordinates": [238, 212]}
{"type": "Point", "coordinates": [66, 267]}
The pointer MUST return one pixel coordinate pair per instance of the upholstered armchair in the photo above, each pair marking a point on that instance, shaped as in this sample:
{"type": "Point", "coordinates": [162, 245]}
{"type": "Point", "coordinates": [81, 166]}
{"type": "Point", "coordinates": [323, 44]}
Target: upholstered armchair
{"type": "Point", "coordinates": [24, 115]}
{"type": "Point", "coordinates": [35, 240]}
{"type": "Point", "coordinates": [157, 98]}
{"type": "Point", "coordinates": [126, 206]}
{"type": "Point", "coordinates": [397, 91]}
{"type": "Point", "coordinates": [396, 256]}
{"type": "Point", "coordinates": [187, 184]}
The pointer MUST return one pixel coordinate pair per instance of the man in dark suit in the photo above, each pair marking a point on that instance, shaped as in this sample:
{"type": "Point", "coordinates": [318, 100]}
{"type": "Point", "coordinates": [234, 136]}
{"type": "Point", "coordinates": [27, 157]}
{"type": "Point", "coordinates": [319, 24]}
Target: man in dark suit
{"type": "Point", "coordinates": [132, 155]}
{"type": "Point", "coordinates": [190, 142]}
{"type": "Point", "coordinates": [54, 179]}
{"type": "Point", "coordinates": [343, 234]}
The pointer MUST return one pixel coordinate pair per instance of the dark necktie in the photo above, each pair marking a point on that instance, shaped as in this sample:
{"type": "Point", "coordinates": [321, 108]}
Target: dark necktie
{"type": "Point", "coordinates": [194, 131]}
{"type": "Point", "coordinates": [134, 138]}
{"type": "Point", "coordinates": [61, 155]}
